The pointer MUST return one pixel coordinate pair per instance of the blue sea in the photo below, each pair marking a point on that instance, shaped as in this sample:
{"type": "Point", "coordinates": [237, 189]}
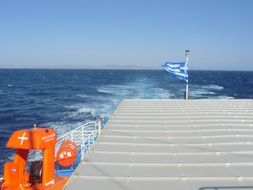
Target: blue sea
{"type": "Point", "coordinates": [64, 99]}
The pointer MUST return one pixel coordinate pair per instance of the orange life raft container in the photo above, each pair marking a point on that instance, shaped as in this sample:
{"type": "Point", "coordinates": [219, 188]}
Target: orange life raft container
{"type": "Point", "coordinates": [41, 175]}
{"type": "Point", "coordinates": [67, 153]}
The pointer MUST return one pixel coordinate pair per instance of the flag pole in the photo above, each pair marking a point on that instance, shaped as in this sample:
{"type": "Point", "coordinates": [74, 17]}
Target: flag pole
{"type": "Point", "coordinates": [186, 64]}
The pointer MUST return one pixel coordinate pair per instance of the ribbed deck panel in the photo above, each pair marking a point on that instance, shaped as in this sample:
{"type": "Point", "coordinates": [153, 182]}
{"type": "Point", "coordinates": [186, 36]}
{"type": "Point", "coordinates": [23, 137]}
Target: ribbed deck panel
{"type": "Point", "coordinates": [172, 144]}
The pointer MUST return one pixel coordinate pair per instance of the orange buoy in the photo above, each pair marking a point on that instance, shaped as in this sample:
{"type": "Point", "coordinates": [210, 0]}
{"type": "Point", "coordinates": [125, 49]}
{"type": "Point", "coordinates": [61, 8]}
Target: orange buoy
{"type": "Point", "coordinates": [67, 153]}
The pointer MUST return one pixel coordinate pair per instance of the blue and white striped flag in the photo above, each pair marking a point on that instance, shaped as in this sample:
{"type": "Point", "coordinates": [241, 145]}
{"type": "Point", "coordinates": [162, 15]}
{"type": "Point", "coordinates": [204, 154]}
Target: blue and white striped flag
{"type": "Point", "coordinates": [178, 70]}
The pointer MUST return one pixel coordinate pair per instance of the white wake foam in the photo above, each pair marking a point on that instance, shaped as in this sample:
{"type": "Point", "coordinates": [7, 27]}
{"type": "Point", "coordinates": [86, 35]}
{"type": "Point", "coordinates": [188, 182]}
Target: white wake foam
{"type": "Point", "coordinates": [213, 87]}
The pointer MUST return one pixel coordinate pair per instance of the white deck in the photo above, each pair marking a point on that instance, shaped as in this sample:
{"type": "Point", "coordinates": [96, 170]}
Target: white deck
{"type": "Point", "coordinates": [172, 144]}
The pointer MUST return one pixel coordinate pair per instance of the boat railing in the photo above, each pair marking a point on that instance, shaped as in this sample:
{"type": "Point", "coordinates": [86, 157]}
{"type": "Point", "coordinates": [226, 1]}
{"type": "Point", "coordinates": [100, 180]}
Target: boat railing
{"type": "Point", "coordinates": [82, 128]}
{"type": "Point", "coordinates": [84, 136]}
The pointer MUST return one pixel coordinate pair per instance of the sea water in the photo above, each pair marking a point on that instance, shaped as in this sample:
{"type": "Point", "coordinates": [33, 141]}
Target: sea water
{"type": "Point", "coordinates": [64, 99]}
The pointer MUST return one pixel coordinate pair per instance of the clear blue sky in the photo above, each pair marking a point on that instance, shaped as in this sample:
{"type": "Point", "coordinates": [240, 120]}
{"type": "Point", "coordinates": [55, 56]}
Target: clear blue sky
{"type": "Point", "coordinates": [126, 33]}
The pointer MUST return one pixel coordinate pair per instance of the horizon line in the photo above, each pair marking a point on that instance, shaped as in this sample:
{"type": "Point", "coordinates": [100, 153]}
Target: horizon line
{"type": "Point", "coordinates": [138, 69]}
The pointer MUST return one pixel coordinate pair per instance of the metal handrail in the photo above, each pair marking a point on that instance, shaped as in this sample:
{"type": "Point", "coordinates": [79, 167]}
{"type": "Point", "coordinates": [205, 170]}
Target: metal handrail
{"type": "Point", "coordinates": [78, 128]}
{"type": "Point", "coordinates": [82, 137]}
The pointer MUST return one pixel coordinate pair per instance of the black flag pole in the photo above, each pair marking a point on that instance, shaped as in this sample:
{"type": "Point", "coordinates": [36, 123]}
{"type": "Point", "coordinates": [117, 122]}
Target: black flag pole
{"type": "Point", "coordinates": [187, 52]}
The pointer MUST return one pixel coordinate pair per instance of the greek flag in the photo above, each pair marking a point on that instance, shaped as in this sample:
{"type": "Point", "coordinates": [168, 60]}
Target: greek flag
{"type": "Point", "coordinates": [178, 70]}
